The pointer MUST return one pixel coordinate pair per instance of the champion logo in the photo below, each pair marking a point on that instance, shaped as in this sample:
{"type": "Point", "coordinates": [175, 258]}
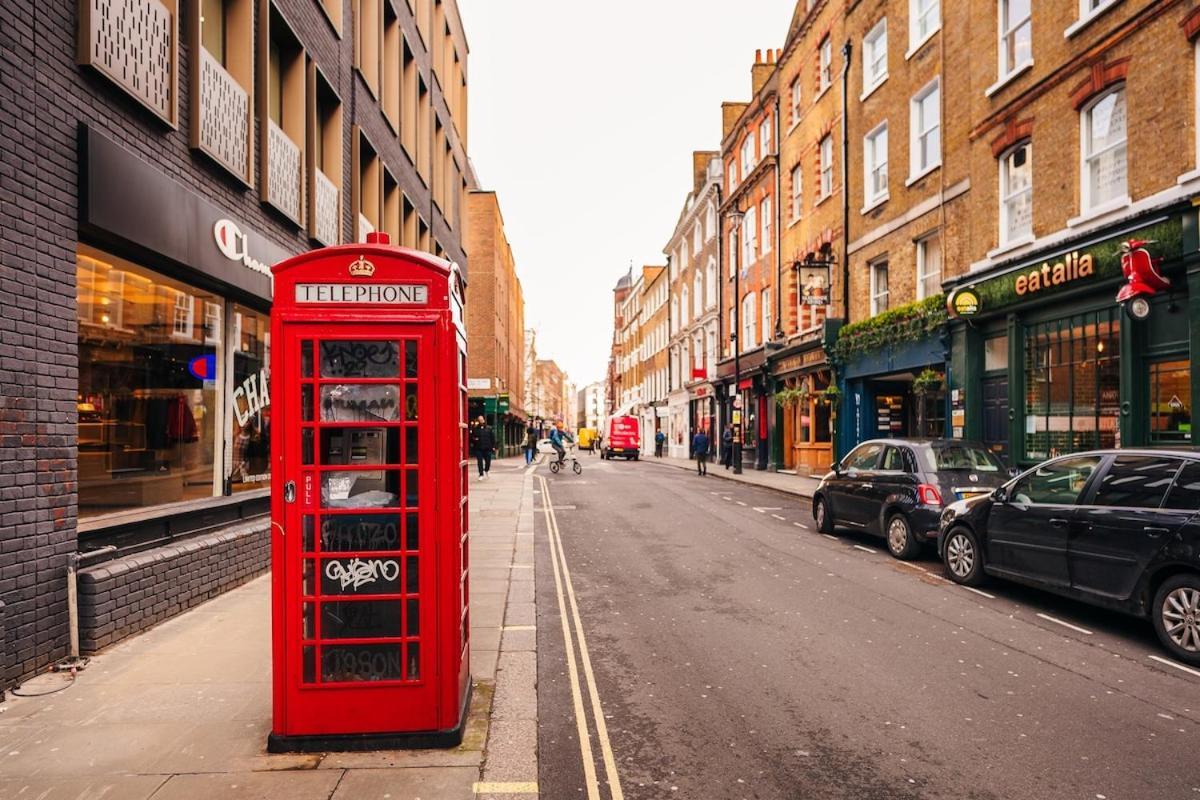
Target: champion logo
{"type": "Point", "coordinates": [233, 244]}
{"type": "Point", "coordinates": [361, 268]}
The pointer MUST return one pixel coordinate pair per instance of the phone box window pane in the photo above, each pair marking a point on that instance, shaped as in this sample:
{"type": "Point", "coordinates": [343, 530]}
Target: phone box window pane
{"type": "Point", "coordinates": [369, 575]}
{"type": "Point", "coordinates": [347, 533]}
{"type": "Point", "coordinates": [360, 359]}
{"type": "Point", "coordinates": [362, 619]}
{"type": "Point", "coordinates": [360, 446]}
{"type": "Point", "coordinates": [360, 662]}
{"type": "Point", "coordinates": [150, 351]}
{"type": "Point", "coordinates": [360, 489]}
{"type": "Point", "coordinates": [354, 402]}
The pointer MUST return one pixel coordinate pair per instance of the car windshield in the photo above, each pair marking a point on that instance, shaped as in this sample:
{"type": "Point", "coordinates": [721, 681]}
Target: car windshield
{"type": "Point", "coordinates": [960, 456]}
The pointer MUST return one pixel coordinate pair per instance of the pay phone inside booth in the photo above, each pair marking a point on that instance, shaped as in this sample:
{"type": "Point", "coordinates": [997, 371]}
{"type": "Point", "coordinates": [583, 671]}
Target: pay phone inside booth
{"type": "Point", "coordinates": [369, 506]}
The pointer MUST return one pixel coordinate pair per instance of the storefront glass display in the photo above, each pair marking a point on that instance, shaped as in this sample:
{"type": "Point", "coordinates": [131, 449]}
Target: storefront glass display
{"type": "Point", "coordinates": [1072, 384]}
{"type": "Point", "coordinates": [1171, 402]}
{"type": "Point", "coordinates": [149, 350]}
{"type": "Point", "coordinates": [250, 401]}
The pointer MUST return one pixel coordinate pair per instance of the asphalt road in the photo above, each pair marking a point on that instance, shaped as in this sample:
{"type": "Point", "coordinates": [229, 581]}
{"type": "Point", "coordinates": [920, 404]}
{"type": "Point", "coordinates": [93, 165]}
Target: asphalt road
{"type": "Point", "coordinates": [736, 654]}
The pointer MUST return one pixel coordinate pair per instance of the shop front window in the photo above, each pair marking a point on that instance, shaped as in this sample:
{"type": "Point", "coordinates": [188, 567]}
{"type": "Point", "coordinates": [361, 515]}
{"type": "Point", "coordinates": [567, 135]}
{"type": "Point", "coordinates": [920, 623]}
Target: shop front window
{"type": "Point", "coordinates": [1072, 384]}
{"type": "Point", "coordinates": [250, 401]}
{"type": "Point", "coordinates": [1171, 402]}
{"type": "Point", "coordinates": [148, 387]}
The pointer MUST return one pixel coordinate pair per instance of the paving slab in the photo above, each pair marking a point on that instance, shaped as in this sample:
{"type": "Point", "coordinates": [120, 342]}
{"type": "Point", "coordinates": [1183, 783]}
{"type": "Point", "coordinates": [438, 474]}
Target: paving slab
{"type": "Point", "coordinates": [444, 783]}
{"type": "Point", "coordinates": [299, 785]}
{"type": "Point", "coordinates": [116, 787]}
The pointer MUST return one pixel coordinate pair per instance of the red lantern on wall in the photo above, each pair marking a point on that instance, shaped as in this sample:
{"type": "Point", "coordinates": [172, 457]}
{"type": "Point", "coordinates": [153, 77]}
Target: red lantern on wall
{"type": "Point", "coordinates": [1142, 276]}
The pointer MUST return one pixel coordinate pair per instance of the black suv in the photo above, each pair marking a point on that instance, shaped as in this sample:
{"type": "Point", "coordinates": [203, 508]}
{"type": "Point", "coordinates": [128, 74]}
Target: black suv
{"type": "Point", "coordinates": [1114, 528]}
{"type": "Point", "coordinates": [895, 488]}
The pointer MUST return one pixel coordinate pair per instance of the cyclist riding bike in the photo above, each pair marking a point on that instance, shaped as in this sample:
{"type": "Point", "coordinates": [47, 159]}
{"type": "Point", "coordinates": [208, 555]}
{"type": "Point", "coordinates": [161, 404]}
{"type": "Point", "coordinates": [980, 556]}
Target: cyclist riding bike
{"type": "Point", "coordinates": [557, 435]}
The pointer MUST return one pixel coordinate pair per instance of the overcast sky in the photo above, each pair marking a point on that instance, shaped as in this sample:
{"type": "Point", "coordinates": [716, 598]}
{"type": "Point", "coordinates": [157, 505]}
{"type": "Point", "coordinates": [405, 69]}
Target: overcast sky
{"type": "Point", "coordinates": [583, 117]}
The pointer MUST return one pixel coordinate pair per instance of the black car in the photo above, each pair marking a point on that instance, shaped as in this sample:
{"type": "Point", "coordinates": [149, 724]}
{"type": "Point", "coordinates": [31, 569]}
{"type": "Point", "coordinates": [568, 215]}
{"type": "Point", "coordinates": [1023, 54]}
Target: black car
{"type": "Point", "coordinates": [1114, 528]}
{"type": "Point", "coordinates": [896, 487]}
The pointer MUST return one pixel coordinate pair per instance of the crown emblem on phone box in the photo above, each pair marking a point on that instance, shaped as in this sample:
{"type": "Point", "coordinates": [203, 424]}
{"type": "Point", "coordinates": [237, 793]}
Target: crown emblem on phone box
{"type": "Point", "coordinates": [362, 268]}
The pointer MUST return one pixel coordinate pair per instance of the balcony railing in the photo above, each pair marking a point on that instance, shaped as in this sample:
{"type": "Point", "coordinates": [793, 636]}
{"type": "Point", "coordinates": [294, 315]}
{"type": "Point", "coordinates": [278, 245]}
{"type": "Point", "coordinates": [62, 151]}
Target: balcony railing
{"type": "Point", "coordinates": [224, 117]}
{"type": "Point", "coordinates": [285, 176]}
{"type": "Point", "coordinates": [326, 210]}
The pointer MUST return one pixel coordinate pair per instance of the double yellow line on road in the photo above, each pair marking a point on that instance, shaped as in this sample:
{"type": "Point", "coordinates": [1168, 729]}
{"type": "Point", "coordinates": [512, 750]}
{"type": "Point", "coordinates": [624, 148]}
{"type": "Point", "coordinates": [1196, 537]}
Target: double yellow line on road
{"type": "Point", "coordinates": [562, 578]}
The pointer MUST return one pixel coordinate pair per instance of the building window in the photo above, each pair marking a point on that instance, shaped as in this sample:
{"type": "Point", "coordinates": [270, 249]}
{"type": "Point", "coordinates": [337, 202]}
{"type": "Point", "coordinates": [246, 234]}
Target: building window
{"type": "Point", "coordinates": [149, 387]}
{"type": "Point", "coordinates": [929, 266]}
{"type": "Point", "coordinates": [767, 330]}
{"type": "Point", "coordinates": [926, 130]}
{"type": "Point", "coordinates": [710, 284]}
{"type": "Point", "coordinates": [797, 191]}
{"type": "Point", "coordinates": [1016, 35]}
{"type": "Point", "coordinates": [826, 167]}
{"type": "Point", "coordinates": [749, 236]}
{"type": "Point", "coordinates": [1072, 384]}
{"type": "Point", "coordinates": [796, 94]}
{"type": "Point", "coordinates": [1171, 402]}
{"type": "Point", "coordinates": [250, 466]}
{"type": "Point", "coordinates": [1103, 137]}
{"type": "Point", "coordinates": [368, 41]}
{"type": "Point", "coordinates": [875, 166]}
{"type": "Point", "coordinates": [749, 327]}
{"type": "Point", "coordinates": [1016, 193]}
{"type": "Point", "coordinates": [684, 306]}
{"type": "Point", "coordinates": [879, 287]}
{"type": "Point", "coordinates": [875, 54]}
{"type": "Point", "coordinates": [925, 18]}
{"type": "Point", "coordinates": [766, 225]}
{"type": "Point", "coordinates": [697, 295]}
{"type": "Point", "coordinates": [747, 154]}
{"type": "Point", "coordinates": [764, 138]}
{"type": "Point", "coordinates": [826, 64]}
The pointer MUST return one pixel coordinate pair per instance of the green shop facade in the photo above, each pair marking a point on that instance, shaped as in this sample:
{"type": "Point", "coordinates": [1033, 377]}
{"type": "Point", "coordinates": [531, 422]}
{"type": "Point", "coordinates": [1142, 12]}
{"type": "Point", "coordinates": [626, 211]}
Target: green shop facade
{"type": "Point", "coordinates": [1043, 361]}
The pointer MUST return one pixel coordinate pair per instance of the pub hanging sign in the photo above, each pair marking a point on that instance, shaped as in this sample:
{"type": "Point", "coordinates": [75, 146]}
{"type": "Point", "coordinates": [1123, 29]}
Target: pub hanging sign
{"type": "Point", "coordinates": [1078, 267]}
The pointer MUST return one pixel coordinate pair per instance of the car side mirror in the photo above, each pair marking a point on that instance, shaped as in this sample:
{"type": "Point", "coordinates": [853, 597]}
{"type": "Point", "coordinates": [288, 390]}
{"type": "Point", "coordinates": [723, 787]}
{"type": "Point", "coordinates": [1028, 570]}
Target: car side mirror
{"type": "Point", "coordinates": [1000, 495]}
{"type": "Point", "coordinates": [836, 467]}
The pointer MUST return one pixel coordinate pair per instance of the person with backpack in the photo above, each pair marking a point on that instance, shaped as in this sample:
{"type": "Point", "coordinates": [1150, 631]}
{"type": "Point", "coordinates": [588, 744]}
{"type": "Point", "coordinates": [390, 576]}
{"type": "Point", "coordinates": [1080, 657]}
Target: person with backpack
{"type": "Point", "coordinates": [484, 444]}
{"type": "Point", "coordinates": [659, 439]}
{"type": "Point", "coordinates": [700, 451]}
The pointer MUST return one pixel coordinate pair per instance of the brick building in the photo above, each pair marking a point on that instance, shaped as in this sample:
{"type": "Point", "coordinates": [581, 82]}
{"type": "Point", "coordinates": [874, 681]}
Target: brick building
{"type": "Point", "coordinates": [549, 390]}
{"type": "Point", "coordinates": [1082, 135]}
{"type": "Point", "coordinates": [495, 325]}
{"type": "Point", "coordinates": [693, 255]}
{"type": "Point", "coordinates": [811, 230]}
{"type": "Point", "coordinates": [654, 331]}
{"type": "Point", "coordinates": [158, 157]}
{"type": "Point", "coordinates": [750, 160]}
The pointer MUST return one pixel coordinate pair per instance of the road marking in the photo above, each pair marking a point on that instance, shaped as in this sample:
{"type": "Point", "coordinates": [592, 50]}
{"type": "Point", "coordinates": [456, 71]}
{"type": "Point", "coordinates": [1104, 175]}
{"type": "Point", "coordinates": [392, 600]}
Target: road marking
{"type": "Point", "coordinates": [776, 516]}
{"type": "Point", "coordinates": [556, 508]}
{"type": "Point", "coordinates": [831, 538]}
{"type": "Point", "coordinates": [739, 502]}
{"type": "Point", "coordinates": [606, 751]}
{"type": "Point", "coordinates": [1171, 663]}
{"type": "Point", "coordinates": [519, 628]}
{"type": "Point", "coordinates": [985, 594]}
{"type": "Point", "coordinates": [864, 549]}
{"type": "Point", "coordinates": [510, 787]}
{"type": "Point", "coordinates": [727, 498]}
{"type": "Point", "coordinates": [585, 742]}
{"type": "Point", "coordinates": [765, 509]}
{"type": "Point", "coordinates": [800, 525]}
{"type": "Point", "coordinates": [1064, 624]}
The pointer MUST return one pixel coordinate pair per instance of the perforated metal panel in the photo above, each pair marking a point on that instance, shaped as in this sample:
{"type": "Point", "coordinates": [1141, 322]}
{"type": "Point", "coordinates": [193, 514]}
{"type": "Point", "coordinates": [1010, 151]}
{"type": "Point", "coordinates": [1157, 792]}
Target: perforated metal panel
{"type": "Point", "coordinates": [325, 210]}
{"type": "Point", "coordinates": [284, 179]}
{"type": "Point", "coordinates": [224, 116]}
{"type": "Point", "coordinates": [364, 227]}
{"type": "Point", "coordinates": [131, 42]}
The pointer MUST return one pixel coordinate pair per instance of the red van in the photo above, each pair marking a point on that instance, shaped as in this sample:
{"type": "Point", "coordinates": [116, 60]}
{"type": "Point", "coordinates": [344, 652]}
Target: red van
{"type": "Point", "coordinates": [621, 438]}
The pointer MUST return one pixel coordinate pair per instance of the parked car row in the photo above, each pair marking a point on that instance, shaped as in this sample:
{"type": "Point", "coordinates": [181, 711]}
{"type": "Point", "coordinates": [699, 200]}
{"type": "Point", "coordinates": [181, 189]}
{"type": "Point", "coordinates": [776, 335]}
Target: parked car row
{"type": "Point", "coordinates": [1119, 529]}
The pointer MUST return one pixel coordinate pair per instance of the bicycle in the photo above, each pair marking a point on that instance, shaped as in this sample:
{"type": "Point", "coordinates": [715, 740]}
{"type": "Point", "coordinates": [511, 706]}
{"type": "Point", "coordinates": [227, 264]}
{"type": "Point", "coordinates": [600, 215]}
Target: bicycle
{"type": "Point", "coordinates": [560, 463]}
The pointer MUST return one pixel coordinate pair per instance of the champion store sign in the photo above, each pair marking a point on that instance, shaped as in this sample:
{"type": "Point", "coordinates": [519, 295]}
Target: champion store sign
{"type": "Point", "coordinates": [234, 245]}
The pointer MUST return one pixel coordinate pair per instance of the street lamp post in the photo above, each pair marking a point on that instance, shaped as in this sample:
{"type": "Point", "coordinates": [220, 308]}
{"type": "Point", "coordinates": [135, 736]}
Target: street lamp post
{"type": "Point", "coordinates": [735, 217]}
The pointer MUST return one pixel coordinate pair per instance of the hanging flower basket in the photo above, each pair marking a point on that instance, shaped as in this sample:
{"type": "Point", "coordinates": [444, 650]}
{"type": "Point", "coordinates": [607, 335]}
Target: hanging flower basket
{"type": "Point", "coordinates": [928, 382]}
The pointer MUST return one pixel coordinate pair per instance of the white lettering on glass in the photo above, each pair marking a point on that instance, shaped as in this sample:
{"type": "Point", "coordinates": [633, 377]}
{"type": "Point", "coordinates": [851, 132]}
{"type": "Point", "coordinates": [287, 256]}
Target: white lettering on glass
{"type": "Point", "coordinates": [251, 397]}
{"type": "Point", "coordinates": [358, 572]}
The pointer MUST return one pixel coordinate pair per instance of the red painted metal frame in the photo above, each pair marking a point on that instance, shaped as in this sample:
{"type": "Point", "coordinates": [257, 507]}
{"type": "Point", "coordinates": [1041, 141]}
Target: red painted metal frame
{"type": "Point", "coordinates": [391, 709]}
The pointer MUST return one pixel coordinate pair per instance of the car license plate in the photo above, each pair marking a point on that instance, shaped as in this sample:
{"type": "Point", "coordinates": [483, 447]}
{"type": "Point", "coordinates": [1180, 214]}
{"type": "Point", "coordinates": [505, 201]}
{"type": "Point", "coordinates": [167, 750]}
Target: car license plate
{"type": "Point", "coordinates": [967, 494]}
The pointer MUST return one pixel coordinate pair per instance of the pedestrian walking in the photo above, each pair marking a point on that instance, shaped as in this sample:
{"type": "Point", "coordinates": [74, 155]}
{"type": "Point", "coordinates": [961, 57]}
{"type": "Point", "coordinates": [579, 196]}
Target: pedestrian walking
{"type": "Point", "coordinates": [531, 440]}
{"type": "Point", "coordinates": [700, 451]}
{"type": "Point", "coordinates": [659, 439]}
{"type": "Point", "coordinates": [727, 446]}
{"type": "Point", "coordinates": [484, 446]}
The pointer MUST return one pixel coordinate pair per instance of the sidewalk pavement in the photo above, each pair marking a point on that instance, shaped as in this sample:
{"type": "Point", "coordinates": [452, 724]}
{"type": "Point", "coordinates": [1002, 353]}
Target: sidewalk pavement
{"type": "Point", "coordinates": [779, 481]}
{"type": "Point", "coordinates": [183, 711]}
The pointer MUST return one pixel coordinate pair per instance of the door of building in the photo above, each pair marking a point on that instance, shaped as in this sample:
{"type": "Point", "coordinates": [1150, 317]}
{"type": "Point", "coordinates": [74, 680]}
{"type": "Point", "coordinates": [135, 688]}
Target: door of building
{"type": "Point", "coordinates": [995, 415]}
{"type": "Point", "coordinates": [359, 614]}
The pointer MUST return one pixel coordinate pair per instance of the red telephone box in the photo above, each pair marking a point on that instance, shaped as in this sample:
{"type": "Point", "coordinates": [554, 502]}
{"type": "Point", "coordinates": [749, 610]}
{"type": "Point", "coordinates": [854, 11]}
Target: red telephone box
{"type": "Point", "coordinates": [368, 500]}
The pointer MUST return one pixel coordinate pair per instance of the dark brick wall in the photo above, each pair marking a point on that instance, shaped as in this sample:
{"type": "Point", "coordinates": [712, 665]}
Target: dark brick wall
{"type": "Point", "coordinates": [44, 97]}
{"type": "Point", "coordinates": [120, 598]}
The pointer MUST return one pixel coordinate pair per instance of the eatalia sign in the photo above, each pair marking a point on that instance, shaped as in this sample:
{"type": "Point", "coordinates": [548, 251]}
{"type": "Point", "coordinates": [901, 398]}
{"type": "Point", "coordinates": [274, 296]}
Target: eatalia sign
{"type": "Point", "coordinates": [1072, 267]}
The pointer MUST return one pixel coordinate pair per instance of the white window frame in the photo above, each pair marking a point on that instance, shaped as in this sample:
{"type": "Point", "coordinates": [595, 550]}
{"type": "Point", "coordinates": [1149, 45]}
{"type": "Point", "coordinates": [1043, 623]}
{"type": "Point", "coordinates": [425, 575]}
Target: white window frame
{"type": "Point", "coordinates": [876, 295]}
{"type": "Point", "coordinates": [1087, 202]}
{"type": "Point", "coordinates": [185, 303]}
{"type": "Point", "coordinates": [923, 274]}
{"type": "Point", "coordinates": [766, 219]}
{"type": "Point", "coordinates": [1006, 196]}
{"type": "Point", "coordinates": [213, 323]}
{"type": "Point", "coordinates": [1004, 70]}
{"type": "Point", "coordinates": [798, 184]}
{"type": "Point", "coordinates": [826, 165]}
{"type": "Point", "coordinates": [710, 284]}
{"type": "Point", "coordinates": [747, 160]}
{"type": "Point", "coordinates": [915, 17]}
{"type": "Point", "coordinates": [697, 295]}
{"type": "Point", "coordinates": [749, 332]}
{"type": "Point", "coordinates": [796, 95]}
{"type": "Point", "coordinates": [872, 198]}
{"type": "Point", "coordinates": [1087, 15]}
{"type": "Point", "coordinates": [917, 133]}
{"type": "Point", "coordinates": [685, 307]}
{"type": "Point", "coordinates": [764, 138]}
{"type": "Point", "coordinates": [750, 236]}
{"type": "Point", "coordinates": [767, 331]}
{"type": "Point", "coordinates": [825, 66]}
{"type": "Point", "coordinates": [873, 42]}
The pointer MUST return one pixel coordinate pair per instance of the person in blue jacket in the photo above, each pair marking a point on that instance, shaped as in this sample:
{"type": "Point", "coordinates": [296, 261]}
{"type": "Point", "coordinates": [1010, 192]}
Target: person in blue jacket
{"type": "Point", "coordinates": [700, 447]}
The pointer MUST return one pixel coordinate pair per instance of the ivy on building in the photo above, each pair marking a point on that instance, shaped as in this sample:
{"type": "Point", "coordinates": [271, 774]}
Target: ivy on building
{"type": "Point", "coordinates": [898, 326]}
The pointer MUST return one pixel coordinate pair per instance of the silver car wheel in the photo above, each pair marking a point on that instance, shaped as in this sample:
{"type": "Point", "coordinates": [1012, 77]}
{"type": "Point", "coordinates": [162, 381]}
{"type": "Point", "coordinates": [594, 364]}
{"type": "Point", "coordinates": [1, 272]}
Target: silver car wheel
{"type": "Point", "coordinates": [821, 514]}
{"type": "Point", "coordinates": [960, 555]}
{"type": "Point", "coordinates": [897, 534]}
{"type": "Point", "coordinates": [1181, 618]}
